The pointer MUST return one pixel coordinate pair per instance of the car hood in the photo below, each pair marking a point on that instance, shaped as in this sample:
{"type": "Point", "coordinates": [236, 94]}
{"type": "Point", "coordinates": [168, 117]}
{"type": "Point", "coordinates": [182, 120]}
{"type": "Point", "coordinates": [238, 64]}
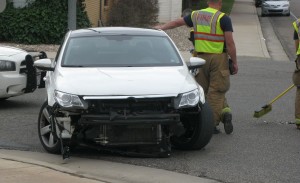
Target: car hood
{"type": "Point", "coordinates": [10, 51]}
{"type": "Point", "coordinates": [281, 3]}
{"type": "Point", "coordinates": [129, 81]}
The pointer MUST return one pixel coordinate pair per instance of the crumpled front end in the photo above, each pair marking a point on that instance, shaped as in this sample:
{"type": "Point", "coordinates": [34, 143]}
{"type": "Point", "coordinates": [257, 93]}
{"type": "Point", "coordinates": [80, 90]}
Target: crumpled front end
{"type": "Point", "coordinates": [120, 121]}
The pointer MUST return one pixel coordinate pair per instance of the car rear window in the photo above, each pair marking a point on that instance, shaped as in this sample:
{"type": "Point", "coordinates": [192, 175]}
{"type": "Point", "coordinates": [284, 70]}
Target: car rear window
{"type": "Point", "coordinates": [120, 51]}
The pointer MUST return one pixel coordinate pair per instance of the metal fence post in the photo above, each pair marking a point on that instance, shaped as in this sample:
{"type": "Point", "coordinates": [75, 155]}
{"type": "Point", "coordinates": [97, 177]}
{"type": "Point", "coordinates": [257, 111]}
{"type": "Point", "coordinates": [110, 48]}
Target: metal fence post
{"type": "Point", "coordinates": [72, 14]}
{"type": "Point", "coordinates": [2, 5]}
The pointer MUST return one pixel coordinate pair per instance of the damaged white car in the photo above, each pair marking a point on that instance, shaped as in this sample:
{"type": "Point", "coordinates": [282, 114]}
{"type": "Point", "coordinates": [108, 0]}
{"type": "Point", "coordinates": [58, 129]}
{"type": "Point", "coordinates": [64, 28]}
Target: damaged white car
{"type": "Point", "coordinates": [122, 89]}
{"type": "Point", "coordinates": [17, 74]}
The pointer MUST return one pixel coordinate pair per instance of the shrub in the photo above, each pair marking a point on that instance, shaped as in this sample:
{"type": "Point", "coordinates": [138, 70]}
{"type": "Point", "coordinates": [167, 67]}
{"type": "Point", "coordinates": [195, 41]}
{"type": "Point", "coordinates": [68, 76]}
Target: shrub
{"type": "Point", "coordinates": [41, 22]}
{"type": "Point", "coordinates": [133, 13]}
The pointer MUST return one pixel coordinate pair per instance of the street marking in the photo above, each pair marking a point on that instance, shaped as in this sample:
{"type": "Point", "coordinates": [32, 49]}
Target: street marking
{"type": "Point", "coordinates": [294, 16]}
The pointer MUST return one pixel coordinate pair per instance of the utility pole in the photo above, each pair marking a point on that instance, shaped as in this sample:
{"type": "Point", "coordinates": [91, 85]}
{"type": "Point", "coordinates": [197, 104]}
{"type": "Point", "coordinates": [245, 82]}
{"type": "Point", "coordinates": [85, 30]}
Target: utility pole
{"type": "Point", "coordinates": [72, 14]}
{"type": "Point", "coordinates": [2, 5]}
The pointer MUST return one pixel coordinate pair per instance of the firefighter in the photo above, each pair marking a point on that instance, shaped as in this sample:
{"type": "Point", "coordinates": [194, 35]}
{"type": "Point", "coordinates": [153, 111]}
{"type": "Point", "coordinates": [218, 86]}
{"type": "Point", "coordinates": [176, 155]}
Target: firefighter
{"type": "Point", "coordinates": [213, 42]}
{"type": "Point", "coordinates": [296, 74]}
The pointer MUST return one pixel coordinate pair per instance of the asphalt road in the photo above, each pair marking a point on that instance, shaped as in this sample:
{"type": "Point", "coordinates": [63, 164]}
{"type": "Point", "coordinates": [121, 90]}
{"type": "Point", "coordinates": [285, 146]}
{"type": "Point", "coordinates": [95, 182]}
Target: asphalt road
{"type": "Point", "coordinates": [260, 150]}
{"type": "Point", "coordinates": [282, 26]}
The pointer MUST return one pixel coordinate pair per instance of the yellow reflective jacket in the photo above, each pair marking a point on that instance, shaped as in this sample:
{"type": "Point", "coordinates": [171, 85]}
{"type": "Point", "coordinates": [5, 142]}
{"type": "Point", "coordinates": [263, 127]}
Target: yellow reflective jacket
{"type": "Point", "coordinates": [208, 35]}
{"type": "Point", "coordinates": [296, 25]}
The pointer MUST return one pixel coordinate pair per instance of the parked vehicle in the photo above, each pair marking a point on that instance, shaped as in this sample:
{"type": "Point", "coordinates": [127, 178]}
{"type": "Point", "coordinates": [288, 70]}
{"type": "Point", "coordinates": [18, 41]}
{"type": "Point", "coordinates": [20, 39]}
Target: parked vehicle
{"type": "Point", "coordinates": [122, 88]}
{"type": "Point", "coordinates": [17, 74]}
{"type": "Point", "coordinates": [275, 7]}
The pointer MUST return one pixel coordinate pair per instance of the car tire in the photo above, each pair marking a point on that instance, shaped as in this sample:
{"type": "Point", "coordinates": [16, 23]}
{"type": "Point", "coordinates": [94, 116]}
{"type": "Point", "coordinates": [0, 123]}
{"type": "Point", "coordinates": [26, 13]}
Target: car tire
{"type": "Point", "coordinates": [49, 141]}
{"type": "Point", "coordinates": [199, 130]}
{"type": "Point", "coordinates": [288, 14]}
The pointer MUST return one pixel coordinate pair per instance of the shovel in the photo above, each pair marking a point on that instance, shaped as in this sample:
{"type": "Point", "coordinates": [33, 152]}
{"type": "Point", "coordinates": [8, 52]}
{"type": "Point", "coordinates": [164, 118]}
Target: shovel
{"type": "Point", "coordinates": [267, 108]}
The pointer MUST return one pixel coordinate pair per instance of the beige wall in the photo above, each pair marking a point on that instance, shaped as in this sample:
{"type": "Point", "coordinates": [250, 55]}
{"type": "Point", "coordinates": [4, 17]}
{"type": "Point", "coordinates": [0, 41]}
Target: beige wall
{"type": "Point", "coordinates": [169, 10]}
{"type": "Point", "coordinates": [92, 8]}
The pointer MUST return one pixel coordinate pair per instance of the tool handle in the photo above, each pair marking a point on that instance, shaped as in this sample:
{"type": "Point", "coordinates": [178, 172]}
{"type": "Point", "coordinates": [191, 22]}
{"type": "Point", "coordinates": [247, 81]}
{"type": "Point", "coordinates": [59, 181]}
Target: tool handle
{"type": "Point", "coordinates": [281, 94]}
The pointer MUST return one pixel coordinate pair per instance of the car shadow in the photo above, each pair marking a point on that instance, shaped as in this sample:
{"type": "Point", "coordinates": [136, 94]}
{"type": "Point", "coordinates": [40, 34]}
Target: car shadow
{"type": "Point", "coordinates": [274, 15]}
{"type": "Point", "coordinates": [13, 104]}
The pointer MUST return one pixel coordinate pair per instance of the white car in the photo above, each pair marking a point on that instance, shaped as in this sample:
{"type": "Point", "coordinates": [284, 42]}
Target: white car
{"type": "Point", "coordinates": [275, 7]}
{"type": "Point", "coordinates": [122, 87]}
{"type": "Point", "coordinates": [17, 74]}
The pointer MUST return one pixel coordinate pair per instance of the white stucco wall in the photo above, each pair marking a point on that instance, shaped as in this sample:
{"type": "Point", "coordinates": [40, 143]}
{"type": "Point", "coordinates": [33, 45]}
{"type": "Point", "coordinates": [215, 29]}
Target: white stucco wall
{"type": "Point", "coordinates": [169, 10]}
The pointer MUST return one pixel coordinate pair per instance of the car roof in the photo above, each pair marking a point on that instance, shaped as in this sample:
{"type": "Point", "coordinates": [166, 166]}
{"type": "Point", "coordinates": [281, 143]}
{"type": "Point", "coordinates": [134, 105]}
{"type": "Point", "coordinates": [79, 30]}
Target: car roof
{"type": "Point", "coordinates": [116, 31]}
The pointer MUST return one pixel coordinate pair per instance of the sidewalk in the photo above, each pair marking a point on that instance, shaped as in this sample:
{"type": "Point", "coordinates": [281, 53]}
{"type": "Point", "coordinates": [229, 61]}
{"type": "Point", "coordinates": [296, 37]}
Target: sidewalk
{"type": "Point", "coordinates": [247, 33]}
{"type": "Point", "coordinates": [33, 167]}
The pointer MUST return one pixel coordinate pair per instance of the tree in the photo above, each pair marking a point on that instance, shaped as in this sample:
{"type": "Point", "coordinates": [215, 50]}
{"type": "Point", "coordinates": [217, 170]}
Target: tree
{"type": "Point", "coordinates": [134, 13]}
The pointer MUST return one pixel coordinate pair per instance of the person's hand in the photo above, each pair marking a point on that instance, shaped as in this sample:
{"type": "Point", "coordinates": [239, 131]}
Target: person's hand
{"type": "Point", "coordinates": [236, 68]}
{"type": "Point", "coordinates": [157, 27]}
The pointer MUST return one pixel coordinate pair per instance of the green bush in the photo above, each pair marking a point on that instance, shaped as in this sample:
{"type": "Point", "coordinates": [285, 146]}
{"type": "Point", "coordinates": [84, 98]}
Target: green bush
{"type": "Point", "coordinates": [41, 22]}
{"type": "Point", "coordinates": [134, 13]}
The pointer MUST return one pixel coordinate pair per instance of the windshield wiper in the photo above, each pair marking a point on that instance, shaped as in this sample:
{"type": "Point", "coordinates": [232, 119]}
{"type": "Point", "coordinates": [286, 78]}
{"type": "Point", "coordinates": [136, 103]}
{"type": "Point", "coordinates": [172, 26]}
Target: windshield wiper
{"type": "Point", "coordinates": [93, 30]}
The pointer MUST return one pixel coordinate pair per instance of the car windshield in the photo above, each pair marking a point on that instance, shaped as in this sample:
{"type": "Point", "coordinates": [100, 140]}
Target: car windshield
{"type": "Point", "coordinates": [120, 51]}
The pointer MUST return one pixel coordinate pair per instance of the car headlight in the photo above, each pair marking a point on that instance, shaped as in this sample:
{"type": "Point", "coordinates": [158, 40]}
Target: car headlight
{"type": "Point", "coordinates": [266, 5]}
{"type": "Point", "coordinates": [7, 65]}
{"type": "Point", "coordinates": [286, 5]}
{"type": "Point", "coordinates": [190, 99]}
{"type": "Point", "coordinates": [68, 100]}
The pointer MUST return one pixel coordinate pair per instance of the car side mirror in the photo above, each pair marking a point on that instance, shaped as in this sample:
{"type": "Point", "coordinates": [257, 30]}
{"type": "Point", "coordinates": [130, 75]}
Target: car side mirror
{"type": "Point", "coordinates": [44, 64]}
{"type": "Point", "coordinates": [195, 62]}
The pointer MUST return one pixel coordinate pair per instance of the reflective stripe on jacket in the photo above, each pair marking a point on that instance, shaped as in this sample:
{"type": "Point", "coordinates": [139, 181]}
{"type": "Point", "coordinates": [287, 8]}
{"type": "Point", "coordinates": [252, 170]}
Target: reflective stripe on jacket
{"type": "Point", "coordinates": [209, 37]}
{"type": "Point", "coordinates": [296, 25]}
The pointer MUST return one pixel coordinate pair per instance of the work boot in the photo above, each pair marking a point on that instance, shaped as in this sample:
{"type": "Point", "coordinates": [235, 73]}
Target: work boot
{"type": "Point", "coordinates": [227, 118]}
{"type": "Point", "coordinates": [297, 122]}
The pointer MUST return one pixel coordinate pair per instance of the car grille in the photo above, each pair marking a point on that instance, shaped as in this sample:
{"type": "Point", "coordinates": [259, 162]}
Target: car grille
{"type": "Point", "coordinates": [275, 11]}
{"type": "Point", "coordinates": [131, 105]}
{"type": "Point", "coordinates": [128, 134]}
{"type": "Point", "coordinates": [128, 121]}
{"type": "Point", "coordinates": [130, 111]}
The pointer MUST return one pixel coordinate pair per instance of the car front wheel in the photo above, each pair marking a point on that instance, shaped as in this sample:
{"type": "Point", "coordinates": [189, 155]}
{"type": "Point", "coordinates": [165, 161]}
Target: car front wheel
{"type": "Point", "coordinates": [49, 141]}
{"type": "Point", "coordinates": [198, 130]}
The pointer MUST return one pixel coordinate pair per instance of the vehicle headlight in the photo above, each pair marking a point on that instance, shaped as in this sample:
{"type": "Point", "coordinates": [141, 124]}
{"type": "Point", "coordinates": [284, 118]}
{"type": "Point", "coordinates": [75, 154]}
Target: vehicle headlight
{"type": "Point", "coordinates": [286, 5]}
{"type": "Point", "coordinates": [265, 5]}
{"type": "Point", "coordinates": [7, 65]}
{"type": "Point", "coordinates": [190, 99]}
{"type": "Point", "coordinates": [68, 100]}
